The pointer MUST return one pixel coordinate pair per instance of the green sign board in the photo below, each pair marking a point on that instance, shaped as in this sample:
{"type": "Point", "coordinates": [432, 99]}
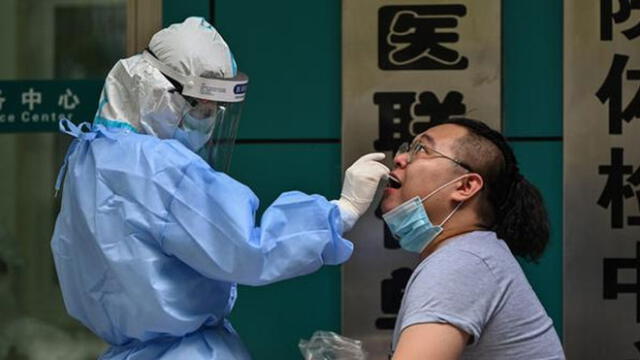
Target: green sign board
{"type": "Point", "coordinates": [37, 106]}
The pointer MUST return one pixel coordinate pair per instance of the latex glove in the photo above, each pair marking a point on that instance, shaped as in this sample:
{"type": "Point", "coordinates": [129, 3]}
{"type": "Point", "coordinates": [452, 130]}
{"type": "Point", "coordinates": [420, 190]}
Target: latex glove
{"type": "Point", "coordinates": [359, 187]}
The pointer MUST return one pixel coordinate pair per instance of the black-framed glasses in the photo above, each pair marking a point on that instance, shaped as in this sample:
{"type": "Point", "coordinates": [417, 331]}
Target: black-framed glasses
{"type": "Point", "coordinates": [416, 147]}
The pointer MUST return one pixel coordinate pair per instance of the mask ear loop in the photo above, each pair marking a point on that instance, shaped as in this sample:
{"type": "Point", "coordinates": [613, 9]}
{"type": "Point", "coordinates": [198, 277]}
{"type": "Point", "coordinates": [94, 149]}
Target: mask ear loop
{"type": "Point", "coordinates": [451, 214]}
{"type": "Point", "coordinates": [441, 187]}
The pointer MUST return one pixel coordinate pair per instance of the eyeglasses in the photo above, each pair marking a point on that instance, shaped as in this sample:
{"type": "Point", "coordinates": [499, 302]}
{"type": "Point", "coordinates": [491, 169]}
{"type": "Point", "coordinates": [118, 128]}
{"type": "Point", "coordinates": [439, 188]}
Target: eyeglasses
{"type": "Point", "coordinates": [416, 147]}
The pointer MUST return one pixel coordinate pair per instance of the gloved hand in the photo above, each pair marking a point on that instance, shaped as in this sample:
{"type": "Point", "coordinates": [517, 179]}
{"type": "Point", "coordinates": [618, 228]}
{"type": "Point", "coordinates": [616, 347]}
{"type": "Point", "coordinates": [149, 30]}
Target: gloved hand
{"type": "Point", "coordinates": [359, 187]}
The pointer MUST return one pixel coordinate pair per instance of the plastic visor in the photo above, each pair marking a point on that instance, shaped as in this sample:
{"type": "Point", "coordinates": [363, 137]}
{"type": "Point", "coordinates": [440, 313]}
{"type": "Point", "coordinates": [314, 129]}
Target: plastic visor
{"type": "Point", "coordinates": [218, 149]}
{"type": "Point", "coordinates": [223, 90]}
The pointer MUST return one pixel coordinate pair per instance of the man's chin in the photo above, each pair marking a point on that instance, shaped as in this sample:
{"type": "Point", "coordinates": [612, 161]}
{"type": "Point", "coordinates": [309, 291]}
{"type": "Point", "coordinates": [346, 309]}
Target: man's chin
{"type": "Point", "coordinates": [386, 205]}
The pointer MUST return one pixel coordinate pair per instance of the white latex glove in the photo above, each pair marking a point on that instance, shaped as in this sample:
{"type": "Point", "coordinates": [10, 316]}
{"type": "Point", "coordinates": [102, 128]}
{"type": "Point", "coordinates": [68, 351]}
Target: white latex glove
{"type": "Point", "coordinates": [359, 187]}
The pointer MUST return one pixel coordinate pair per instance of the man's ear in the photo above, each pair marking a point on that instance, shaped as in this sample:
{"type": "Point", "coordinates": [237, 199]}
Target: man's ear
{"type": "Point", "coordinates": [467, 187]}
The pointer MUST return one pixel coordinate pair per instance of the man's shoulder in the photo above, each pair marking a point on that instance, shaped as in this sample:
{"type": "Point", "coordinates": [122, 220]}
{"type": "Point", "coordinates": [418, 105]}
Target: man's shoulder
{"type": "Point", "coordinates": [478, 251]}
{"type": "Point", "coordinates": [484, 245]}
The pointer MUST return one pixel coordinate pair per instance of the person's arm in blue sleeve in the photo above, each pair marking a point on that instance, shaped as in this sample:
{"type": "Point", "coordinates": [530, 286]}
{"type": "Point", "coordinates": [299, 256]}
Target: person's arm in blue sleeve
{"type": "Point", "coordinates": [211, 227]}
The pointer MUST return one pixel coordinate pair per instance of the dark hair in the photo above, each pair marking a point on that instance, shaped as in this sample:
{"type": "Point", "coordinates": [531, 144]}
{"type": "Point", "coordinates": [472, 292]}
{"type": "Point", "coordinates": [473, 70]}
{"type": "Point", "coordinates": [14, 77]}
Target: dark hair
{"type": "Point", "coordinates": [514, 208]}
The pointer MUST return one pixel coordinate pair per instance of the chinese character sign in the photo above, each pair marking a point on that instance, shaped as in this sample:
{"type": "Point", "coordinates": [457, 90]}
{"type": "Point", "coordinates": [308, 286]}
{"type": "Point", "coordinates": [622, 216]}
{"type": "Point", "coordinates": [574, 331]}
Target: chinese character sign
{"type": "Point", "coordinates": [403, 115]}
{"type": "Point", "coordinates": [611, 93]}
{"type": "Point", "coordinates": [38, 106]}
{"type": "Point", "coordinates": [602, 179]}
{"type": "Point", "coordinates": [2, 100]}
{"type": "Point", "coordinates": [420, 37]}
{"type": "Point", "coordinates": [621, 184]}
{"type": "Point", "coordinates": [406, 66]}
{"type": "Point", "coordinates": [613, 286]}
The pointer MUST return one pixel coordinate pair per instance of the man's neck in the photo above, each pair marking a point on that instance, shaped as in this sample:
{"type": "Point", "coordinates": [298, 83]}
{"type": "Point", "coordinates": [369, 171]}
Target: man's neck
{"type": "Point", "coordinates": [446, 235]}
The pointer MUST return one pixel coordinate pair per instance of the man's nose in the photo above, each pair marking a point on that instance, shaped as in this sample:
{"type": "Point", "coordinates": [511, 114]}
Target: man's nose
{"type": "Point", "coordinates": [401, 160]}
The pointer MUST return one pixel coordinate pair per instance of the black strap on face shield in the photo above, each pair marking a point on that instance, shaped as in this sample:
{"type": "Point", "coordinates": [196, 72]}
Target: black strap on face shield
{"type": "Point", "coordinates": [177, 86]}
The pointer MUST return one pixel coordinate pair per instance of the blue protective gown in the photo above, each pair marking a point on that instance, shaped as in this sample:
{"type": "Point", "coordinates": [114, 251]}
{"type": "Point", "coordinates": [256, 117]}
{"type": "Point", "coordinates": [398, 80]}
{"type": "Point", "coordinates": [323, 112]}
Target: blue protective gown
{"type": "Point", "coordinates": [151, 241]}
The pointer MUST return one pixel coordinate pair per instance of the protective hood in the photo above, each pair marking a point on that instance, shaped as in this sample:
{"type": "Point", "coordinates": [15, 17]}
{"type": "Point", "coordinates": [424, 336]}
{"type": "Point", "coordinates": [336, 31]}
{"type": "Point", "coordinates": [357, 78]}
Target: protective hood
{"type": "Point", "coordinates": [186, 68]}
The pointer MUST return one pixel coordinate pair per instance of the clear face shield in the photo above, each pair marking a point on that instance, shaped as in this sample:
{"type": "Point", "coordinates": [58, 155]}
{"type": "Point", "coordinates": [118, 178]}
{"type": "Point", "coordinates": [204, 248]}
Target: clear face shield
{"type": "Point", "coordinates": [210, 118]}
{"type": "Point", "coordinates": [209, 129]}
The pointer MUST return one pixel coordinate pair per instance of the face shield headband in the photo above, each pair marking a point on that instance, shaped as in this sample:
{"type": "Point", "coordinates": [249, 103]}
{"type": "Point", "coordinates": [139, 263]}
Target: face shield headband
{"type": "Point", "coordinates": [222, 90]}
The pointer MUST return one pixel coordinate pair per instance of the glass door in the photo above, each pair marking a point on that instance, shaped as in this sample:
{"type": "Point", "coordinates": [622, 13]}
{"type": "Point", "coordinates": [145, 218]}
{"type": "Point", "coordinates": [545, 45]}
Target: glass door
{"type": "Point", "coordinates": [55, 56]}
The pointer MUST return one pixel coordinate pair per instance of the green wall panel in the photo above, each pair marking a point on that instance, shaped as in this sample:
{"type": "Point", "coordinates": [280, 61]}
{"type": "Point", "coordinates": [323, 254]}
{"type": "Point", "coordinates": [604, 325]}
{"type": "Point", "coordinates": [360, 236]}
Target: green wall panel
{"type": "Point", "coordinates": [270, 169]}
{"type": "Point", "coordinates": [532, 67]}
{"type": "Point", "coordinates": [272, 319]}
{"type": "Point", "coordinates": [541, 163]}
{"type": "Point", "coordinates": [291, 52]}
{"type": "Point", "coordinates": [174, 11]}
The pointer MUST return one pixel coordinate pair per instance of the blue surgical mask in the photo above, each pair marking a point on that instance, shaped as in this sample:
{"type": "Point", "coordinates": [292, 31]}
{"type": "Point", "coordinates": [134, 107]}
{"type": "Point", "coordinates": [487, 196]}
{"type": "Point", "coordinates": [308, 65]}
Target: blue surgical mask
{"type": "Point", "coordinates": [192, 139]}
{"type": "Point", "coordinates": [196, 129]}
{"type": "Point", "coordinates": [410, 224]}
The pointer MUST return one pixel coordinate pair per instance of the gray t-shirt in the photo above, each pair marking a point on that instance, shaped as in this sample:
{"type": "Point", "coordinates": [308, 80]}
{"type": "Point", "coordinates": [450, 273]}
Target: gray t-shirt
{"type": "Point", "coordinates": [474, 283]}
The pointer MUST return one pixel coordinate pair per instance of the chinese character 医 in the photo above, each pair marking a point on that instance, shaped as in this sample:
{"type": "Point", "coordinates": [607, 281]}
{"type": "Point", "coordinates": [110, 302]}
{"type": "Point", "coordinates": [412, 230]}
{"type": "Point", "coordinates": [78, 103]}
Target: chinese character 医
{"type": "Point", "coordinates": [414, 37]}
{"type": "Point", "coordinates": [68, 100]}
{"type": "Point", "coordinates": [31, 98]}
{"type": "Point", "coordinates": [612, 288]}
{"type": "Point", "coordinates": [615, 191]}
{"type": "Point", "coordinates": [611, 91]}
{"type": "Point", "coordinates": [624, 12]}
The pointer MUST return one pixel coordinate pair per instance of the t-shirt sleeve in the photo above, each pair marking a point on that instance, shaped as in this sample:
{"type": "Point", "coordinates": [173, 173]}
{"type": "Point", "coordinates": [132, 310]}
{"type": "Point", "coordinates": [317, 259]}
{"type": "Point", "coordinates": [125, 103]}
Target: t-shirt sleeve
{"type": "Point", "coordinates": [454, 287]}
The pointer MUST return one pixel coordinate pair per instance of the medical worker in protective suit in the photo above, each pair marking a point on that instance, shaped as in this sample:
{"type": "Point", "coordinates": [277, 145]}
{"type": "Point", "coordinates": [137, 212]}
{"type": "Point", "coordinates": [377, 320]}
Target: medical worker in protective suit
{"type": "Point", "coordinates": [153, 236]}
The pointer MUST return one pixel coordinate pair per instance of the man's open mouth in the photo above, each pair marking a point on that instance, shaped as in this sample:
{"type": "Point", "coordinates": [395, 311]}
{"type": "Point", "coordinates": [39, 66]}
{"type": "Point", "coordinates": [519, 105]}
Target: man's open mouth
{"type": "Point", "coordinates": [393, 182]}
